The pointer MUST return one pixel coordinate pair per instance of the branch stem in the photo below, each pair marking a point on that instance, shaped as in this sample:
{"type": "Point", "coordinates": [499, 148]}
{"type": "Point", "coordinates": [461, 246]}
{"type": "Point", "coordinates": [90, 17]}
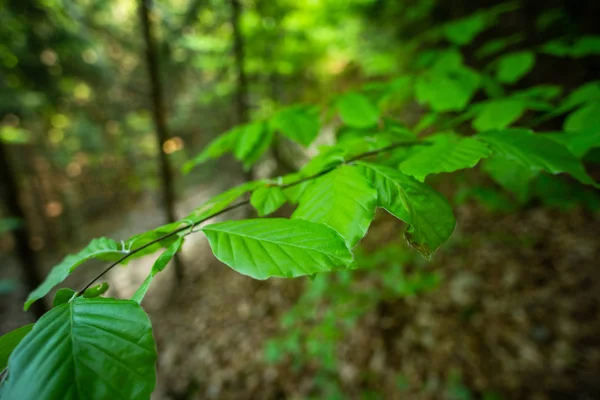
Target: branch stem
{"type": "Point", "coordinates": [246, 202]}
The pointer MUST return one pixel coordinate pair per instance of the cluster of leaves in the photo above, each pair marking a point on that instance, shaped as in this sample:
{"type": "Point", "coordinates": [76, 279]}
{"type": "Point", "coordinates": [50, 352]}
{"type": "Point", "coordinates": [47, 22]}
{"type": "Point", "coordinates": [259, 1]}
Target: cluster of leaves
{"type": "Point", "coordinates": [86, 346]}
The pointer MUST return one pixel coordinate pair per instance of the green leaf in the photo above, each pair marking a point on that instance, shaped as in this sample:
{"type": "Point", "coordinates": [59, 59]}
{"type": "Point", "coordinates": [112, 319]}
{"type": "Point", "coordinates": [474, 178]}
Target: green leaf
{"type": "Point", "coordinates": [448, 85]}
{"type": "Point", "coordinates": [96, 291]}
{"type": "Point", "coordinates": [259, 149]}
{"type": "Point", "coordinates": [215, 149]}
{"type": "Point", "coordinates": [586, 93]}
{"type": "Point", "coordinates": [499, 114]}
{"type": "Point", "coordinates": [586, 118]}
{"type": "Point", "coordinates": [495, 46]}
{"type": "Point", "coordinates": [357, 110]}
{"type": "Point", "coordinates": [586, 46]}
{"type": "Point", "coordinates": [9, 224]}
{"type": "Point", "coordinates": [14, 135]}
{"type": "Point", "coordinates": [536, 152]}
{"type": "Point", "coordinates": [513, 66]}
{"type": "Point", "coordinates": [343, 200]}
{"type": "Point", "coordinates": [578, 142]}
{"type": "Point", "coordinates": [93, 349]}
{"type": "Point", "coordinates": [512, 176]}
{"type": "Point", "coordinates": [448, 152]}
{"type": "Point", "coordinates": [557, 48]}
{"type": "Point", "coordinates": [222, 201]}
{"type": "Point", "coordinates": [264, 248]}
{"type": "Point", "coordinates": [249, 137]}
{"type": "Point", "coordinates": [62, 296]}
{"type": "Point", "coordinates": [426, 211]}
{"type": "Point", "coordinates": [102, 248]}
{"type": "Point", "coordinates": [464, 30]}
{"type": "Point", "coordinates": [298, 123]}
{"type": "Point", "coordinates": [9, 341]}
{"type": "Point", "coordinates": [160, 264]}
{"type": "Point", "coordinates": [267, 199]}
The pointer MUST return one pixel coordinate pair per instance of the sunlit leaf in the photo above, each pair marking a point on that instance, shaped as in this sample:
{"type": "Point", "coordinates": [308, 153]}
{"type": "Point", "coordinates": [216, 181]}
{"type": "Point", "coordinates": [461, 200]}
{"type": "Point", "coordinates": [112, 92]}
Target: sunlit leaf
{"type": "Point", "coordinates": [264, 248]}
{"type": "Point", "coordinates": [464, 30]}
{"type": "Point", "coordinates": [267, 199]}
{"type": "Point", "coordinates": [249, 136]}
{"type": "Point", "coordinates": [262, 145]}
{"type": "Point", "coordinates": [102, 248]}
{"type": "Point", "coordinates": [426, 211]}
{"type": "Point", "coordinates": [298, 123]}
{"type": "Point", "coordinates": [12, 135]}
{"type": "Point", "coordinates": [513, 66]}
{"type": "Point", "coordinates": [448, 85]}
{"type": "Point", "coordinates": [578, 142]}
{"type": "Point", "coordinates": [343, 199]}
{"type": "Point", "coordinates": [448, 152]}
{"type": "Point", "coordinates": [92, 349]}
{"type": "Point", "coordinates": [499, 114]}
{"type": "Point", "coordinates": [357, 110]}
{"type": "Point", "coordinates": [160, 264]}
{"type": "Point", "coordinates": [536, 152]}
{"type": "Point", "coordinates": [215, 149]}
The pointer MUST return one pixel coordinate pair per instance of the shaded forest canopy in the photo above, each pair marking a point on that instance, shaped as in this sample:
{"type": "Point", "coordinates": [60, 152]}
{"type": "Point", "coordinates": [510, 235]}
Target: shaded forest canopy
{"type": "Point", "coordinates": [368, 140]}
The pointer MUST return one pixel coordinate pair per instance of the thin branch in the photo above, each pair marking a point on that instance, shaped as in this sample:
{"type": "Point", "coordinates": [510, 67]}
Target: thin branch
{"type": "Point", "coordinates": [246, 202]}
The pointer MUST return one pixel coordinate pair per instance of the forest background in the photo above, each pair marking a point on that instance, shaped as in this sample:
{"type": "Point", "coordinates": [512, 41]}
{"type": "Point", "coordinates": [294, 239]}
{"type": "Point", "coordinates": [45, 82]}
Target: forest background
{"type": "Point", "coordinates": [103, 104]}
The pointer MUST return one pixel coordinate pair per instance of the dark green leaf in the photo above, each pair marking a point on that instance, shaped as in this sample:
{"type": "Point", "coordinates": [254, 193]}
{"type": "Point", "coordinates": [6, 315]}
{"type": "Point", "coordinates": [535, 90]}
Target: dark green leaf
{"type": "Point", "coordinates": [264, 248]}
{"type": "Point", "coordinates": [93, 349]}
{"type": "Point", "coordinates": [495, 46]}
{"type": "Point", "coordinates": [9, 341]}
{"type": "Point", "coordinates": [102, 248]}
{"type": "Point", "coordinates": [343, 199]}
{"type": "Point", "coordinates": [512, 176]}
{"type": "Point", "coordinates": [9, 224]}
{"type": "Point", "coordinates": [586, 46]}
{"type": "Point", "coordinates": [426, 211]}
{"type": "Point", "coordinates": [536, 152]}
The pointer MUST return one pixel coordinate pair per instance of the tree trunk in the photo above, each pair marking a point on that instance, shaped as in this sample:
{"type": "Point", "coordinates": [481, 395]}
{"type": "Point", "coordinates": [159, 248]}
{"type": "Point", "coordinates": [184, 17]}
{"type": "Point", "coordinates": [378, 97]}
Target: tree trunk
{"type": "Point", "coordinates": [158, 113]}
{"type": "Point", "coordinates": [9, 191]}
{"type": "Point", "coordinates": [241, 92]}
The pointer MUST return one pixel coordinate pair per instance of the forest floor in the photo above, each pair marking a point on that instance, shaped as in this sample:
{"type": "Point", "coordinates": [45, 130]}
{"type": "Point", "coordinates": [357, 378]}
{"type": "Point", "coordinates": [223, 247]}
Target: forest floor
{"type": "Point", "coordinates": [527, 282]}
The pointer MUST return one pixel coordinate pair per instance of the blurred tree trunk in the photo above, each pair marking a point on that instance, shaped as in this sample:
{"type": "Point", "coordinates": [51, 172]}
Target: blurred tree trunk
{"type": "Point", "coordinates": [160, 123]}
{"type": "Point", "coordinates": [241, 91]}
{"type": "Point", "coordinates": [9, 191]}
